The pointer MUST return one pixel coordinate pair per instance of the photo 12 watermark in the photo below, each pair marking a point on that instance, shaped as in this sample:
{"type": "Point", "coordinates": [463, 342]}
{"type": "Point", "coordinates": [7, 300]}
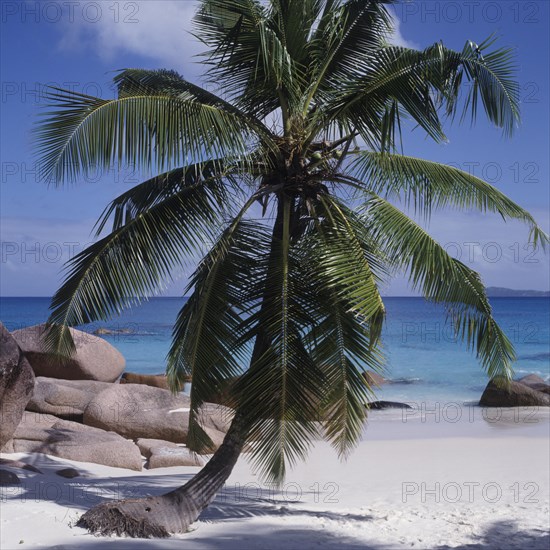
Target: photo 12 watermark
{"type": "Point", "coordinates": [494, 172]}
{"type": "Point", "coordinates": [16, 91]}
{"type": "Point", "coordinates": [34, 172]}
{"type": "Point", "coordinates": [77, 492]}
{"type": "Point", "coordinates": [468, 491]}
{"type": "Point", "coordinates": [37, 252]}
{"type": "Point", "coordinates": [469, 11]}
{"type": "Point", "coordinates": [67, 11]}
{"type": "Point", "coordinates": [453, 412]}
{"type": "Point", "coordinates": [436, 332]}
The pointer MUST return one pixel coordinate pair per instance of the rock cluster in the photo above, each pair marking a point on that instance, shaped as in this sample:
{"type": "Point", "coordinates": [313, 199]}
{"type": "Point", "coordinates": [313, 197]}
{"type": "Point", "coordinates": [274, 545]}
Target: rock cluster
{"type": "Point", "coordinates": [78, 411]}
{"type": "Point", "coordinates": [16, 385]}
{"type": "Point", "coordinates": [74, 441]}
{"type": "Point", "coordinates": [94, 358]}
{"type": "Point", "coordinates": [529, 391]}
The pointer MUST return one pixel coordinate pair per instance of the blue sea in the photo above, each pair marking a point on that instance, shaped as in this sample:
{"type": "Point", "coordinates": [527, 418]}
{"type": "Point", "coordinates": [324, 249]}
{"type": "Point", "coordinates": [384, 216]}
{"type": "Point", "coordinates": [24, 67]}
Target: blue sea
{"type": "Point", "coordinates": [424, 361]}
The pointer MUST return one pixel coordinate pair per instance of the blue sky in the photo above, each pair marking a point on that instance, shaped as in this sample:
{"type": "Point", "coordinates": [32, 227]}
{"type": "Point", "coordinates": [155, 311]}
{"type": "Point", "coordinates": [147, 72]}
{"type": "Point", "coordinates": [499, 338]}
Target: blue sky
{"type": "Point", "coordinates": [79, 44]}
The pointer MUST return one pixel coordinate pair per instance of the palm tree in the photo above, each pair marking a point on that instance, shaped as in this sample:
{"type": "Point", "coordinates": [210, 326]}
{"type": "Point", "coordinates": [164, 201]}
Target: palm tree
{"type": "Point", "coordinates": [294, 175]}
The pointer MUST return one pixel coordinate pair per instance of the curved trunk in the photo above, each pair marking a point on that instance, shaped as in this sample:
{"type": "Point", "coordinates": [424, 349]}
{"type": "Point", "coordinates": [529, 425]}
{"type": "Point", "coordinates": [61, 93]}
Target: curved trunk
{"type": "Point", "coordinates": [175, 511]}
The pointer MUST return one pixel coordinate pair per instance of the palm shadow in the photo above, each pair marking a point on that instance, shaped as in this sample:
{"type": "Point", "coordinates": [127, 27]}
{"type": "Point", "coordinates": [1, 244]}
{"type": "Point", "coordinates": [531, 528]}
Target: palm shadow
{"type": "Point", "coordinates": [87, 490]}
{"type": "Point", "coordinates": [505, 535]}
{"type": "Point", "coordinates": [232, 504]}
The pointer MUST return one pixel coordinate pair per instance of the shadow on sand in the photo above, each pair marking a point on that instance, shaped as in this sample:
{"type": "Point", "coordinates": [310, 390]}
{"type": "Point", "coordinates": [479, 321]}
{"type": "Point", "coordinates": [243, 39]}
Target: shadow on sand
{"type": "Point", "coordinates": [76, 495]}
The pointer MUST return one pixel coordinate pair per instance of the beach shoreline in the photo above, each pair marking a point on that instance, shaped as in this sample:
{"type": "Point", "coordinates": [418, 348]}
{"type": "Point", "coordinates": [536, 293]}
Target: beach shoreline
{"type": "Point", "coordinates": [419, 483]}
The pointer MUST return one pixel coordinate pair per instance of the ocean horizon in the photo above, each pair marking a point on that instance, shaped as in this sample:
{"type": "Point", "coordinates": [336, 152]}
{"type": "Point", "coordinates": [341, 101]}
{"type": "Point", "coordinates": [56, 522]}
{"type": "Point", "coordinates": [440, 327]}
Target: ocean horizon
{"type": "Point", "coordinates": [425, 362]}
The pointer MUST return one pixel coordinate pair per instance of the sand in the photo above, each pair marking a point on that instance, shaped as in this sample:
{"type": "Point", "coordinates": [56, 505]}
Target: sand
{"type": "Point", "coordinates": [417, 480]}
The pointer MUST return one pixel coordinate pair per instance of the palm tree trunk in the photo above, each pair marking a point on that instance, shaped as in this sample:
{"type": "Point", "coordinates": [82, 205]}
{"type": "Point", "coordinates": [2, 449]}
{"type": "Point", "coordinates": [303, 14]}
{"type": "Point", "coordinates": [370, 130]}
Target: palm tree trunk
{"type": "Point", "coordinates": [175, 511]}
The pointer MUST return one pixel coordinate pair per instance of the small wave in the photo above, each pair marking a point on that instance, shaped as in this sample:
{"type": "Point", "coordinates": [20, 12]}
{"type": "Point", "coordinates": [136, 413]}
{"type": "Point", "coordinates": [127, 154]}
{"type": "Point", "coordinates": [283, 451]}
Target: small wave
{"type": "Point", "coordinates": [111, 331]}
{"type": "Point", "coordinates": [419, 347]}
{"type": "Point", "coordinates": [404, 380]}
{"type": "Point", "coordinates": [122, 332]}
{"type": "Point", "coordinates": [535, 357]}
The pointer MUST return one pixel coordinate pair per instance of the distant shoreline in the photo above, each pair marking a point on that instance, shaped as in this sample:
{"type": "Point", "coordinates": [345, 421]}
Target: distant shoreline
{"type": "Point", "coordinates": [492, 292]}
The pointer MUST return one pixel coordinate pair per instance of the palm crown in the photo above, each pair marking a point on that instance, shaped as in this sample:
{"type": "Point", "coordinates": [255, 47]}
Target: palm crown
{"type": "Point", "coordinates": [307, 127]}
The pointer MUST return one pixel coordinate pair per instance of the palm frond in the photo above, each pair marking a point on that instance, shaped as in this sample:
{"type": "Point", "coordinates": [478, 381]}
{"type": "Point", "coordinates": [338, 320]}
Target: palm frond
{"type": "Point", "coordinates": [491, 77]}
{"type": "Point", "coordinates": [396, 81]}
{"type": "Point", "coordinates": [345, 339]}
{"type": "Point", "coordinates": [353, 264]}
{"type": "Point", "coordinates": [248, 53]}
{"type": "Point", "coordinates": [132, 262]}
{"type": "Point", "coordinates": [344, 349]}
{"type": "Point", "coordinates": [428, 185]}
{"type": "Point", "coordinates": [297, 21]}
{"type": "Point", "coordinates": [442, 279]}
{"type": "Point", "coordinates": [421, 81]}
{"type": "Point", "coordinates": [343, 45]}
{"type": "Point", "coordinates": [219, 176]}
{"type": "Point", "coordinates": [143, 131]}
{"type": "Point", "coordinates": [281, 392]}
{"type": "Point", "coordinates": [131, 82]}
{"type": "Point", "coordinates": [206, 337]}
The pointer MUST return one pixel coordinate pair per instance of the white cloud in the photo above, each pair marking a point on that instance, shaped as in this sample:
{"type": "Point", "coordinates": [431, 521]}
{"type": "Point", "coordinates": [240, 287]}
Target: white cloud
{"type": "Point", "coordinates": [398, 39]}
{"type": "Point", "coordinates": [155, 29]}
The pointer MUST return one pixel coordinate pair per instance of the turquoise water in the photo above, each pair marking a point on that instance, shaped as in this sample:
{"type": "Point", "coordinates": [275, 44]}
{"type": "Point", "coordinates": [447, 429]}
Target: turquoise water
{"type": "Point", "coordinates": [423, 358]}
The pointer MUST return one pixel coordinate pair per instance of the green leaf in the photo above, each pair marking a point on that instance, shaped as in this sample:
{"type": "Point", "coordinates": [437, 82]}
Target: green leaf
{"type": "Point", "coordinates": [206, 335]}
{"type": "Point", "coordinates": [421, 81]}
{"type": "Point", "coordinates": [85, 133]}
{"type": "Point", "coordinates": [345, 339]}
{"type": "Point", "coordinates": [427, 185]}
{"type": "Point", "coordinates": [218, 177]}
{"type": "Point", "coordinates": [133, 262]}
{"type": "Point", "coordinates": [445, 280]}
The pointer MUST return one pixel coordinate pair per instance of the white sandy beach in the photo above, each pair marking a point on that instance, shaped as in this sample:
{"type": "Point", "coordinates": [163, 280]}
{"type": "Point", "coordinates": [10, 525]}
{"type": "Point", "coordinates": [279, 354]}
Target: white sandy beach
{"type": "Point", "coordinates": [416, 481]}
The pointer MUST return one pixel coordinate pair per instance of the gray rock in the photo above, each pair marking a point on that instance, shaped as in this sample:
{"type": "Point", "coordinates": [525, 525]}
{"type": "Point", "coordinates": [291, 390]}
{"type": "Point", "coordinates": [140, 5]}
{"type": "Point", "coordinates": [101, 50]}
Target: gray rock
{"type": "Point", "coordinates": [215, 421]}
{"type": "Point", "coordinates": [139, 411]}
{"type": "Point", "coordinates": [9, 478]}
{"type": "Point", "coordinates": [373, 378]}
{"type": "Point", "coordinates": [8, 447]}
{"type": "Point", "coordinates": [74, 441]}
{"type": "Point", "coordinates": [535, 382]}
{"type": "Point", "coordinates": [16, 385]}
{"type": "Point", "coordinates": [216, 437]}
{"type": "Point", "coordinates": [145, 445]}
{"type": "Point", "coordinates": [216, 417]}
{"type": "Point", "coordinates": [530, 379]}
{"type": "Point", "coordinates": [68, 473]}
{"type": "Point", "coordinates": [29, 422]}
{"type": "Point", "coordinates": [94, 359]}
{"type": "Point", "coordinates": [165, 457]}
{"type": "Point", "coordinates": [154, 380]}
{"type": "Point", "coordinates": [516, 395]}
{"type": "Point", "coordinates": [64, 398]}
{"type": "Point", "coordinates": [38, 420]}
